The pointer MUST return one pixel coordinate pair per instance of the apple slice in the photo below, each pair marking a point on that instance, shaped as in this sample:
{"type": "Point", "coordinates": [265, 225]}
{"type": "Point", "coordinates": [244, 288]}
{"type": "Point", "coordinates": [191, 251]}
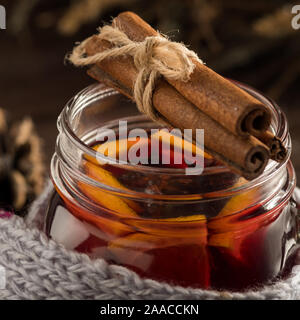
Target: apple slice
{"type": "Point", "coordinates": [113, 228]}
{"type": "Point", "coordinates": [185, 260]}
{"type": "Point", "coordinates": [68, 230]}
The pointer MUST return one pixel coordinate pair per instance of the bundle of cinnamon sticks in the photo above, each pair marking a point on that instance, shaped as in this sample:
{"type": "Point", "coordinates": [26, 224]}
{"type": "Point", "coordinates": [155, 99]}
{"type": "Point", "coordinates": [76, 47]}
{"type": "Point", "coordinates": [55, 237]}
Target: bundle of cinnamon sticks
{"type": "Point", "coordinates": [236, 125]}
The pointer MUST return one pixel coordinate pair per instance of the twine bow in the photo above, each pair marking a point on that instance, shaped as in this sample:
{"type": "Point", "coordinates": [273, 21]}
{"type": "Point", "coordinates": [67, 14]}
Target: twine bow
{"type": "Point", "coordinates": [154, 57]}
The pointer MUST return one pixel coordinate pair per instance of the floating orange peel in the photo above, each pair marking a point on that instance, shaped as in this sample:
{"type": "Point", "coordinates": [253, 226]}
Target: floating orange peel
{"type": "Point", "coordinates": [110, 201]}
{"type": "Point", "coordinates": [116, 148]}
{"type": "Point", "coordinates": [222, 228]}
{"type": "Point", "coordinates": [178, 142]}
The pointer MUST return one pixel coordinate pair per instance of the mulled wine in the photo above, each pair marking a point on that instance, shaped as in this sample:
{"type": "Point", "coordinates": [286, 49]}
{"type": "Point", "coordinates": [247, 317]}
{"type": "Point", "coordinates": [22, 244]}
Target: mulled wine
{"type": "Point", "coordinates": [209, 230]}
{"type": "Point", "coordinates": [202, 231]}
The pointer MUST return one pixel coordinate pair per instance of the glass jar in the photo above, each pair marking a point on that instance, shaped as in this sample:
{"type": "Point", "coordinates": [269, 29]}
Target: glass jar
{"type": "Point", "coordinates": [213, 230]}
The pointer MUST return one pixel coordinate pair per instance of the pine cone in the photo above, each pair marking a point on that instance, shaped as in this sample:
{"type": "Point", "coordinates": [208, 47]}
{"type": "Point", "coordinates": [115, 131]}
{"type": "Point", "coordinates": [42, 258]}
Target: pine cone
{"type": "Point", "coordinates": [21, 163]}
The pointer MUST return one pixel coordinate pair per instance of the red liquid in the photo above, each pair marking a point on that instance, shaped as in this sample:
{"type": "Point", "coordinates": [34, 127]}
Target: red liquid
{"type": "Point", "coordinates": [232, 252]}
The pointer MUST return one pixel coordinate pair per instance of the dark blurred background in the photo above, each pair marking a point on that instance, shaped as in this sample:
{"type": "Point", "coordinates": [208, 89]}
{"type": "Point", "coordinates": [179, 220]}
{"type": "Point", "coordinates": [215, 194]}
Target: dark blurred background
{"type": "Point", "coordinates": [250, 41]}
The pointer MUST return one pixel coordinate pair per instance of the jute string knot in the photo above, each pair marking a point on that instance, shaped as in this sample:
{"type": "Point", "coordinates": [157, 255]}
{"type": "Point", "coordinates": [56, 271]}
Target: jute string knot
{"type": "Point", "coordinates": [154, 57]}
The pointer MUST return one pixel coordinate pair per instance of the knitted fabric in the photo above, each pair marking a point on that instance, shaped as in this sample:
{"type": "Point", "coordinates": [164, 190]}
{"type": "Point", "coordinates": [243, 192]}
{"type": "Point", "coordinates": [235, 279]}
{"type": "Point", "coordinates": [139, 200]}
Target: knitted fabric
{"type": "Point", "coordinates": [39, 268]}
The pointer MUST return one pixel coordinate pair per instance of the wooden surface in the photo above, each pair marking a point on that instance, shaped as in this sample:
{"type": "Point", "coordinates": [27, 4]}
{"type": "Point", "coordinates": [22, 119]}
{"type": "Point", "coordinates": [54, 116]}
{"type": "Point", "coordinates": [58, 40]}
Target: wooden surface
{"type": "Point", "coordinates": [34, 81]}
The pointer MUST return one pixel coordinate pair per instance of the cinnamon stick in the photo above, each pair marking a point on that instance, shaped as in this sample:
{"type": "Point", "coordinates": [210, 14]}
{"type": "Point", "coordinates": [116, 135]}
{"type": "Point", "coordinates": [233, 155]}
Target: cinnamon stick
{"type": "Point", "coordinates": [277, 150]}
{"type": "Point", "coordinates": [214, 95]}
{"type": "Point", "coordinates": [246, 157]}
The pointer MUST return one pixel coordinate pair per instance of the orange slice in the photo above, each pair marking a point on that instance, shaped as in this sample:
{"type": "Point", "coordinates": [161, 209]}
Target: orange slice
{"type": "Point", "coordinates": [225, 228]}
{"type": "Point", "coordinates": [194, 226]}
{"type": "Point", "coordinates": [109, 201]}
{"type": "Point", "coordinates": [177, 141]}
{"type": "Point", "coordinates": [114, 149]}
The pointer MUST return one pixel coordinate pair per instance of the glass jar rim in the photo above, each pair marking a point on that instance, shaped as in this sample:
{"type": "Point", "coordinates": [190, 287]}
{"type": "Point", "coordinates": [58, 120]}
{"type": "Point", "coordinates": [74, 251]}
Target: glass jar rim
{"type": "Point", "coordinates": [96, 92]}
